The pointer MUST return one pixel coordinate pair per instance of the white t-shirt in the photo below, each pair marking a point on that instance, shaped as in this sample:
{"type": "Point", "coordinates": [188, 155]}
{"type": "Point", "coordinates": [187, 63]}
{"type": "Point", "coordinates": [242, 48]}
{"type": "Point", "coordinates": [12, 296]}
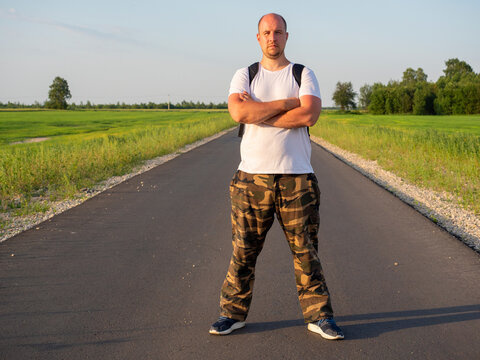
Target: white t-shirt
{"type": "Point", "coordinates": [267, 149]}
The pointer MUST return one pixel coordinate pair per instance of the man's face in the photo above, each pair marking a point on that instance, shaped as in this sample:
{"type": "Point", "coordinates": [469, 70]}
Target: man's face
{"type": "Point", "coordinates": [272, 36]}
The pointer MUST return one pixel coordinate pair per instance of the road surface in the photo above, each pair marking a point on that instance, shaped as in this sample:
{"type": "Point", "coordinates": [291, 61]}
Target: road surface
{"type": "Point", "coordinates": [135, 273]}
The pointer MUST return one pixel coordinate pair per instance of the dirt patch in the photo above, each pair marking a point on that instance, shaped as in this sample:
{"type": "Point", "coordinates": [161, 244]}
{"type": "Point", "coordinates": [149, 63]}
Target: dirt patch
{"type": "Point", "coordinates": [30, 140]}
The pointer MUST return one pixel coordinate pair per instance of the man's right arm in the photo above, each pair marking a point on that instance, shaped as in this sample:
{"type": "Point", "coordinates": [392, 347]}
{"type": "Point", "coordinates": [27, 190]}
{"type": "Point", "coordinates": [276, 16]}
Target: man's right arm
{"type": "Point", "coordinates": [247, 111]}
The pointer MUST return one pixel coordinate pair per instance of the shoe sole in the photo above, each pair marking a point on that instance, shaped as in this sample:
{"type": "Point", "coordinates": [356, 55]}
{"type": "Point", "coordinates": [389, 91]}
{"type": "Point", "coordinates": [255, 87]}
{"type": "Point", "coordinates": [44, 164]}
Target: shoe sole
{"type": "Point", "coordinates": [237, 325]}
{"type": "Point", "coordinates": [316, 329]}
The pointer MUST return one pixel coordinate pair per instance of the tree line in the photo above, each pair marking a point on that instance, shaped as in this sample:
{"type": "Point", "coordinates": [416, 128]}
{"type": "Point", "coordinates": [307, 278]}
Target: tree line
{"type": "Point", "coordinates": [455, 92]}
{"type": "Point", "coordinates": [118, 106]}
{"type": "Point", "coordinates": [141, 106]}
{"type": "Point", "coordinates": [59, 93]}
{"type": "Point", "coordinates": [150, 105]}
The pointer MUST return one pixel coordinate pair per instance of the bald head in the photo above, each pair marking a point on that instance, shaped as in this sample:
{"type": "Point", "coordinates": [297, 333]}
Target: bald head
{"type": "Point", "coordinates": [272, 37]}
{"type": "Point", "coordinates": [270, 16]}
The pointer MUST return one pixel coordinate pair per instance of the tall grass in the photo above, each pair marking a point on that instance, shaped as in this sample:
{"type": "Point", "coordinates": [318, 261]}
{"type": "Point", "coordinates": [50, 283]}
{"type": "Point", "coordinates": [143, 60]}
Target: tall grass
{"type": "Point", "coordinates": [62, 166]}
{"type": "Point", "coordinates": [439, 160]}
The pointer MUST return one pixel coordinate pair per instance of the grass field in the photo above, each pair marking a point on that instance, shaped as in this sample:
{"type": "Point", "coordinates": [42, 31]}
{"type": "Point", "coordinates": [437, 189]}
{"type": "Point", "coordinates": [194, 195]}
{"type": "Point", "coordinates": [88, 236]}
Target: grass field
{"type": "Point", "coordinates": [86, 147]}
{"type": "Point", "coordinates": [20, 125]}
{"type": "Point", "coordinates": [436, 152]}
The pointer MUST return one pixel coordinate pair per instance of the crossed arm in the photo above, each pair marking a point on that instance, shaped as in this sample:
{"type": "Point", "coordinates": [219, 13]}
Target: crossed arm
{"type": "Point", "coordinates": [286, 113]}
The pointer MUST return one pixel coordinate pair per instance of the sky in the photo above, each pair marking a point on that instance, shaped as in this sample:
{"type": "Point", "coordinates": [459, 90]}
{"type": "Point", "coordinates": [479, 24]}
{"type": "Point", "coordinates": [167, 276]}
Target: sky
{"type": "Point", "coordinates": [145, 50]}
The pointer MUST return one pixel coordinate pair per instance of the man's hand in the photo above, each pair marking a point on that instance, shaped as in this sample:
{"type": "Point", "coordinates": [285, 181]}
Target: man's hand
{"type": "Point", "coordinates": [244, 109]}
{"type": "Point", "coordinates": [290, 103]}
{"type": "Point", "coordinates": [245, 96]}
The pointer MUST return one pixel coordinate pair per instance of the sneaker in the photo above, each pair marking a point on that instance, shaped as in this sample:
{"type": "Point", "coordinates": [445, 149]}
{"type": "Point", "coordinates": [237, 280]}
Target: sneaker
{"type": "Point", "coordinates": [225, 326]}
{"type": "Point", "coordinates": [327, 328]}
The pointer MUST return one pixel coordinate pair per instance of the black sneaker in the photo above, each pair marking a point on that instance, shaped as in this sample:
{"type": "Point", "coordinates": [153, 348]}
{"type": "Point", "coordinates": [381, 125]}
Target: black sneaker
{"type": "Point", "coordinates": [327, 328]}
{"type": "Point", "coordinates": [225, 326]}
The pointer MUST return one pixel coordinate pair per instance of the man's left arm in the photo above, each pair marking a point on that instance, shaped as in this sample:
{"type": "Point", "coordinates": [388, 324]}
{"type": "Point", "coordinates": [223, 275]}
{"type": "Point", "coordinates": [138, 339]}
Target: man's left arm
{"type": "Point", "coordinates": [305, 115]}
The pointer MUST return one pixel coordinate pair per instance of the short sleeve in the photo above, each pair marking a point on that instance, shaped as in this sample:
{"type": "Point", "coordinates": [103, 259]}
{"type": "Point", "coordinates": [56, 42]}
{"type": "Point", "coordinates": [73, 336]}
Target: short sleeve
{"type": "Point", "coordinates": [239, 82]}
{"type": "Point", "coordinates": [309, 84]}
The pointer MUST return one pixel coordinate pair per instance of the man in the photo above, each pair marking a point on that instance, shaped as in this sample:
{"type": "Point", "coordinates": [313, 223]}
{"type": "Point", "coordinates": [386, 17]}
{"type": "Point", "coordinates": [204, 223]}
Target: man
{"type": "Point", "coordinates": [275, 177]}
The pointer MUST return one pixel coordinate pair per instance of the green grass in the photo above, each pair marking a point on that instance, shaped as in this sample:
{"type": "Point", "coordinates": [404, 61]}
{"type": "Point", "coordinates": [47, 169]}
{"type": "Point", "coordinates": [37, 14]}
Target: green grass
{"type": "Point", "coordinates": [446, 124]}
{"type": "Point", "coordinates": [21, 125]}
{"type": "Point", "coordinates": [86, 147]}
{"type": "Point", "coordinates": [436, 152]}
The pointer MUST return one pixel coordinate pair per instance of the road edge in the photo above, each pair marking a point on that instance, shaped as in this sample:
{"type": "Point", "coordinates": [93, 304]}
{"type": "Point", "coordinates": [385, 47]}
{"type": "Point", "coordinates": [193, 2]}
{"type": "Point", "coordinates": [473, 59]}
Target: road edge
{"type": "Point", "coordinates": [19, 224]}
{"type": "Point", "coordinates": [441, 208]}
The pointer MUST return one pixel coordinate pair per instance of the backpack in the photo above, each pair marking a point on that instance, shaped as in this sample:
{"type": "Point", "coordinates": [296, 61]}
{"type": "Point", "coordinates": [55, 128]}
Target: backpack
{"type": "Point", "coordinates": [252, 72]}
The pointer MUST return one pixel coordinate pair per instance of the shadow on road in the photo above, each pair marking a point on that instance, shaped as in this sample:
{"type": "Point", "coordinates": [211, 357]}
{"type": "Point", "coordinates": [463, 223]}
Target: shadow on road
{"type": "Point", "coordinates": [271, 325]}
{"type": "Point", "coordinates": [362, 326]}
{"type": "Point", "coordinates": [408, 319]}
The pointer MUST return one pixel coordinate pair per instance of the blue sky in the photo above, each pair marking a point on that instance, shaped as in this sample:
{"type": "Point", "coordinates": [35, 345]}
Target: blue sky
{"type": "Point", "coordinates": [140, 51]}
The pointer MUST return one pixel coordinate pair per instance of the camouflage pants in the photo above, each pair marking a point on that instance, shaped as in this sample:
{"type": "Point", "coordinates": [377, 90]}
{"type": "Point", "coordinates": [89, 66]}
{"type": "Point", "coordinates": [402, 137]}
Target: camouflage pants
{"type": "Point", "coordinates": [255, 199]}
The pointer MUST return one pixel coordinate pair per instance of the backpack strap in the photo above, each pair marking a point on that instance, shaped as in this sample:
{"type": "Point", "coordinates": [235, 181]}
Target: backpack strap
{"type": "Point", "coordinates": [252, 71]}
{"type": "Point", "coordinates": [297, 73]}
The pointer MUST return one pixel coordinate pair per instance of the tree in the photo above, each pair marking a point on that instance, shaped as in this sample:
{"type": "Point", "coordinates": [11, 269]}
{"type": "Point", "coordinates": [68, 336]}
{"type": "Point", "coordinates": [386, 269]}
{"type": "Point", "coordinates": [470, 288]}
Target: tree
{"type": "Point", "coordinates": [456, 69]}
{"type": "Point", "coordinates": [344, 96]}
{"type": "Point", "coordinates": [58, 94]}
{"type": "Point", "coordinates": [365, 96]}
{"type": "Point", "coordinates": [412, 77]}
{"type": "Point", "coordinates": [405, 91]}
{"type": "Point", "coordinates": [458, 91]}
{"type": "Point", "coordinates": [404, 95]}
{"type": "Point", "coordinates": [377, 99]}
{"type": "Point", "coordinates": [423, 100]}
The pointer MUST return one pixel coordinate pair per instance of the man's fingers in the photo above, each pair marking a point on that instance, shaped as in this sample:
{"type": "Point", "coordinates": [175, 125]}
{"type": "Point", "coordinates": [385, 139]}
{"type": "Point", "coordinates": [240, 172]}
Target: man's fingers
{"type": "Point", "coordinates": [245, 96]}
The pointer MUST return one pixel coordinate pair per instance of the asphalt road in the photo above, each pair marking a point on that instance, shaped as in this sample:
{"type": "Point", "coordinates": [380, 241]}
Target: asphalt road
{"type": "Point", "coordinates": [135, 273]}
